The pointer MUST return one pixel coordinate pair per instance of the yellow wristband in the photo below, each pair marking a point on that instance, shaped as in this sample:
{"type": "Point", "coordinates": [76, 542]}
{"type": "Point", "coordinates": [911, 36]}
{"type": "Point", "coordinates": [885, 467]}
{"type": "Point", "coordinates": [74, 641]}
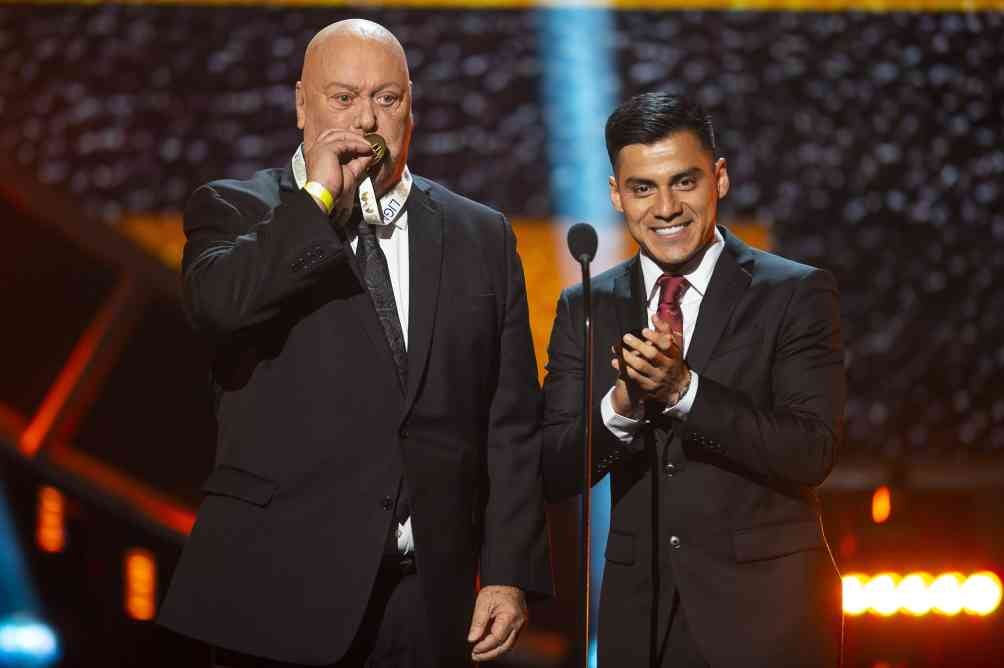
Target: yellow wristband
{"type": "Point", "coordinates": [322, 194]}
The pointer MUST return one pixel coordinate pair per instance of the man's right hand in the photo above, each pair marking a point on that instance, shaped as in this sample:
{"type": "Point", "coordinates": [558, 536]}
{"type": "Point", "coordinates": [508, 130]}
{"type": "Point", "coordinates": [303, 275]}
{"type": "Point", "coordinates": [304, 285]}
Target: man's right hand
{"type": "Point", "coordinates": [338, 159]}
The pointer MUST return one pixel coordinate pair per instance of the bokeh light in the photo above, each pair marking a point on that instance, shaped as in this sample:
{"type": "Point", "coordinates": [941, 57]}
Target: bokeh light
{"type": "Point", "coordinates": [981, 593]}
{"type": "Point", "coordinates": [920, 593]}
{"type": "Point", "coordinates": [914, 593]}
{"type": "Point", "coordinates": [881, 592]}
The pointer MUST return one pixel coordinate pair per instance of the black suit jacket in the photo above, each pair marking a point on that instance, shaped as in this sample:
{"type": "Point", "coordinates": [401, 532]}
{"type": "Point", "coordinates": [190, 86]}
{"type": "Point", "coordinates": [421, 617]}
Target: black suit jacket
{"type": "Point", "coordinates": [315, 432]}
{"type": "Point", "coordinates": [731, 500]}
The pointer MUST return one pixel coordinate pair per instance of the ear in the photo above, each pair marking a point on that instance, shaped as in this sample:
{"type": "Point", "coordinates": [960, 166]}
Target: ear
{"type": "Point", "coordinates": [300, 102]}
{"type": "Point", "coordinates": [411, 111]}
{"type": "Point", "coordinates": [615, 195]}
{"type": "Point", "coordinates": [722, 177]}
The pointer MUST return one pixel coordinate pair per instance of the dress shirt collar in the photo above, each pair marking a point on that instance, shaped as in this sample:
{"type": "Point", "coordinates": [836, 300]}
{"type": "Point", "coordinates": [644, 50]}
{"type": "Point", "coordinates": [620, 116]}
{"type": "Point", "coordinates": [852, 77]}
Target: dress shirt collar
{"type": "Point", "coordinates": [392, 202]}
{"type": "Point", "coordinates": [698, 275]}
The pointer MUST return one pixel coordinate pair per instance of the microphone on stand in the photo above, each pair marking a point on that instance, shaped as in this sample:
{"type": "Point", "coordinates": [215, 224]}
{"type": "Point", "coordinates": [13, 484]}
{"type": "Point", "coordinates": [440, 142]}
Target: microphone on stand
{"type": "Point", "coordinates": [582, 244]}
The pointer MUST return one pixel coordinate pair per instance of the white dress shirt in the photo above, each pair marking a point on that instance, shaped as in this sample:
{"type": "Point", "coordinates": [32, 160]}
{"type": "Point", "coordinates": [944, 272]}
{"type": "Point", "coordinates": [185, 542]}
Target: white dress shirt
{"type": "Point", "coordinates": [625, 428]}
{"type": "Point", "coordinates": [392, 236]}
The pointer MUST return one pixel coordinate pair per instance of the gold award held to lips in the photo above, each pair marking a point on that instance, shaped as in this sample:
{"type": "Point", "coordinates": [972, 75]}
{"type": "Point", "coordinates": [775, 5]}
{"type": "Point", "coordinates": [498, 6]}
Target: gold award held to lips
{"type": "Point", "coordinates": [379, 146]}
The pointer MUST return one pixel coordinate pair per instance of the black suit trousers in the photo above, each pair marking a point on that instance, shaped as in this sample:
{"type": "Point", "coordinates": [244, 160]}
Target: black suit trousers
{"type": "Point", "coordinates": [393, 632]}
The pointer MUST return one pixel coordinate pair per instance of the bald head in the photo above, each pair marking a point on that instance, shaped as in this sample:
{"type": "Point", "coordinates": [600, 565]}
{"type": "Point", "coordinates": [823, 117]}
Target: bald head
{"type": "Point", "coordinates": [351, 34]}
{"type": "Point", "coordinates": [355, 78]}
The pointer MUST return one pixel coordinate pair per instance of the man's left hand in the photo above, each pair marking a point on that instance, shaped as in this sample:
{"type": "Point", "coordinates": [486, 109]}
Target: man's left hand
{"type": "Point", "coordinates": [499, 615]}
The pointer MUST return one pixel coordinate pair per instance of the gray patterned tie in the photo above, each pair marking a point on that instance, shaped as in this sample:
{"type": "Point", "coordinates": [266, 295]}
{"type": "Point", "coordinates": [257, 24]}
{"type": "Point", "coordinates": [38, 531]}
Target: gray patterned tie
{"type": "Point", "coordinates": [373, 267]}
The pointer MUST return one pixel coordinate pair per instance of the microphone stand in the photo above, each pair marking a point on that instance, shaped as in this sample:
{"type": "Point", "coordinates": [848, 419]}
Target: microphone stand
{"type": "Point", "coordinates": [587, 459]}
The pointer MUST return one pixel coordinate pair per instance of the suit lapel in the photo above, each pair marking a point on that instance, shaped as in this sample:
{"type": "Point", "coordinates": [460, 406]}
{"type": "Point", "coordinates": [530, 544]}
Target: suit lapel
{"type": "Point", "coordinates": [361, 302]}
{"type": "Point", "coordinates": [425, 250]}
{"type": "Point", "coordinates": [728, 283]}
{"type": "Point", "coordinates": [286, 179]}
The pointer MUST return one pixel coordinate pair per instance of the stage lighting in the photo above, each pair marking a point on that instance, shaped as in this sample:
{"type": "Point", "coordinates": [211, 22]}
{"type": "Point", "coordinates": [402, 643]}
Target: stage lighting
{"type": "Point", "coordinates": [140, 584]}
{"type": "Point", "coordinates": [914, 594]}
{"type": "Point", "coordinates": [25, 641]}
{"type": "Point", "coordinates": [920, 594]}
{"type": "Point", "coordinates": [881, 505]}
{"type": "Point", "coordinates": [946, 594]}
{"type": "Point", "coordinates": [855, 598]}
{"type": "Point", "coordinates": [50, 530]}
{"type": "Point", "coordinates": [881, 592]}
{"type": "Point", "coordinates": [981, 593]}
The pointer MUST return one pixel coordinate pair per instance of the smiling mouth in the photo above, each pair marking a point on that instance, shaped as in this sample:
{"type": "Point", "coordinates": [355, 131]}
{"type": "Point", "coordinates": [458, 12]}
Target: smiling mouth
{"type": "Point", "coordinates": [670, 230]}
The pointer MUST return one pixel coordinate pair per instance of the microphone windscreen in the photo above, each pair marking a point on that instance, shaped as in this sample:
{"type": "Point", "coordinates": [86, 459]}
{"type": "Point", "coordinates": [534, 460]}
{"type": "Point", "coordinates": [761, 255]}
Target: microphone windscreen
{"type": "Point", "coordinates": [582, 240]}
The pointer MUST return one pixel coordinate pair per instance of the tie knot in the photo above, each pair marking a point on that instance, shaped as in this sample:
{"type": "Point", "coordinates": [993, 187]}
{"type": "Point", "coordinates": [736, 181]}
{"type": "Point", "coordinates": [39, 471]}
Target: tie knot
{"type": "Point", "coordinates": [671, 288]}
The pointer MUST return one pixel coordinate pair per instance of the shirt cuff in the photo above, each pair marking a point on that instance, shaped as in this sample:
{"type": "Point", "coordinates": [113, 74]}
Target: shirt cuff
{"type": "Point", "coordinates": [623, 428]}
{"type": "Point", "coordinates": [681, 409]}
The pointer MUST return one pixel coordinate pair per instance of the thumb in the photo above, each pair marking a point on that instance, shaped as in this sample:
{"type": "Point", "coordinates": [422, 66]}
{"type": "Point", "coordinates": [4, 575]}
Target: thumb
{"type": "Point", "coordinates": [478, 622]}
{"type": "Point", "coordinates": [358, 166]}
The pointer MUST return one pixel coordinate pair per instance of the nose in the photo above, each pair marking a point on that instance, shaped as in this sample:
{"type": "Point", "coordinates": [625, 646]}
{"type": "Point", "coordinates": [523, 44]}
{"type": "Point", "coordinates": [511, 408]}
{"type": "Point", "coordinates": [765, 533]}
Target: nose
{"type": "Point", "coordinates": [365, 116]}
{"type": "Point", "coordinates": [667, 206]}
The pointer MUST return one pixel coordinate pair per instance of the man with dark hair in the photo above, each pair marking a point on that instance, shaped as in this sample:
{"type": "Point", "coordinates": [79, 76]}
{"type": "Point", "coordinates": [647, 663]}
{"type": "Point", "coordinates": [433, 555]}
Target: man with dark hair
{"type": "Point", "coordinates": [721, 414]}
{"type": "Point", "coordinates": [376, 395]}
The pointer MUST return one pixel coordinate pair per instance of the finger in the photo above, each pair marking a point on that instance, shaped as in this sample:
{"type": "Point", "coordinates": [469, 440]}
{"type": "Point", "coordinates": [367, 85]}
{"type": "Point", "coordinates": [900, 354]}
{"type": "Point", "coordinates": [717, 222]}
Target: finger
{"type": "Point", "coordinates": [641, 381]}
{"type": "Point", "coordinates": [357, 167]}
{"type": "Point", "coordinates": [649, 351]}
{"type": "Point", "coordinates": [659, 324]}
{"type": "Point", "coordinates": [488, 643]}
{"type": "Point", "coordinates": [511, 640]}
{"type": "Point", "coordinates": [479, 621]}
{"type": "Point", "coordinates": [340, 134]}
{"type": "Point", "coordinates": [661, 340]}
{"type": "Point", "coordinates": [652, 368]}
{"type": "Point", "coordinates": [677, 338]}
{"type": "Point", "coordinates": [501, 629]}
{"type": "Point", "coordinates": [346, 148]}
{"type": "Point", "coordinates": [649, 382]}
{"type": "Point", "coordinates": [501, 649]}
{"type": "Point", "coordinates": [633, 343]}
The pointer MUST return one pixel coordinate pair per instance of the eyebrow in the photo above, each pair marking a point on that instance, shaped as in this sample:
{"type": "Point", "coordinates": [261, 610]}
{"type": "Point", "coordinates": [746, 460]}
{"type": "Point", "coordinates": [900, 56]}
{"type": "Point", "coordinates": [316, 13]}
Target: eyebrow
{"type": "Point", "coordinates": [355, 89]}
{"type": "Point", "coordinates": [692, 172]}
{"type": "Point", "coordinates": [338, 84]}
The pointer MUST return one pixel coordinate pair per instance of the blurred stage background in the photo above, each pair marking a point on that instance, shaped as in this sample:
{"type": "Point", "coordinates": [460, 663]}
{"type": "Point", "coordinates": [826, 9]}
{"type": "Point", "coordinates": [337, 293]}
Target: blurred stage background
{"type": "Point", "coordinates": [864, 137]}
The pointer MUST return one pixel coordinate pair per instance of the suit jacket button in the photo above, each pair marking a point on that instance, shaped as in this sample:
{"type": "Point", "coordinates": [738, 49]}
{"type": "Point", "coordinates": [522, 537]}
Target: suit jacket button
{"type": "Point", "coordinates": [387, 503]}
{"type": "Point", "coordinates": [669, 468]}
{"type": "Point", "coordinates": [403, 432]}
{"type": "Point", "coordinates": [674, 542]}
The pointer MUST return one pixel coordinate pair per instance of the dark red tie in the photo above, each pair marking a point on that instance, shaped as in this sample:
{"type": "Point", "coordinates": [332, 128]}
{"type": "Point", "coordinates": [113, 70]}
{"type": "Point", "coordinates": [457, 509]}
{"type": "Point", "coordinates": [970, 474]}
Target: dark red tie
{"type": "Point", "coordinates": [671, 289]}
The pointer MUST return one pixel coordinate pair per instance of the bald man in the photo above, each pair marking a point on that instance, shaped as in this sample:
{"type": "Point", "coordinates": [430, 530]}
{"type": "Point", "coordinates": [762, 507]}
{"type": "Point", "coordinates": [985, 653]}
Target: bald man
{"type": "Point", "coordinates": [376, 393]}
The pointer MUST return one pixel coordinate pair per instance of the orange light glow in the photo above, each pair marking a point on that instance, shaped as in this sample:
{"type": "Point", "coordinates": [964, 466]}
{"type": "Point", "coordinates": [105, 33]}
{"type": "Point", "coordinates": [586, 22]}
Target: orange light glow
{"type": "Point", "coordinates": [981, 593]}
{"type": "Point", "coordinates": [159, 508]}
{"type": "Point", "coordinates": [914, 594]}
{"type": "Point", "coordinates": [919, 594]}
{"type": "Point", "coordinates": [881, 504]}
{"type": "Point", "coordinates": [80, 366]}
{"type": "Point", "coordinates": [50, 530]}
{"type": "Point", "coordinates": [855, 598]}
{"type": "Point", "coordinates": [140, 575]}
{"type": "Point", "coordinates": [881, 592]}
{"type": "Point", "coordinates": [946, 594]}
